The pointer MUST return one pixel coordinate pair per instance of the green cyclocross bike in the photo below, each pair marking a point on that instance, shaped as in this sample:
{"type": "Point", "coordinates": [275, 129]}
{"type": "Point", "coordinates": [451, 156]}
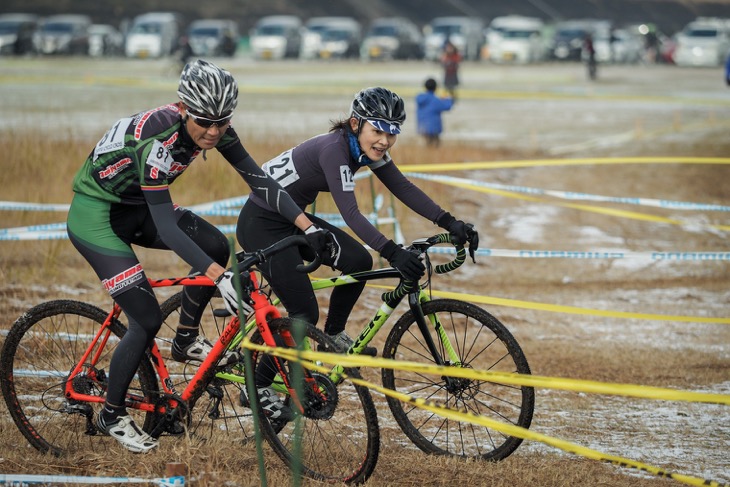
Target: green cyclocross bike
{"type": "Point", "coordinates": [446, 332]}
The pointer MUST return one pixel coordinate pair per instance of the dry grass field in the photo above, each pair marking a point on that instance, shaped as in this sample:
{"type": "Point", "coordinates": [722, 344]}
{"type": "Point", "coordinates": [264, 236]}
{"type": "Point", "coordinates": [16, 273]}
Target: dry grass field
{"type": "Point", "coordinates": [57, 121]}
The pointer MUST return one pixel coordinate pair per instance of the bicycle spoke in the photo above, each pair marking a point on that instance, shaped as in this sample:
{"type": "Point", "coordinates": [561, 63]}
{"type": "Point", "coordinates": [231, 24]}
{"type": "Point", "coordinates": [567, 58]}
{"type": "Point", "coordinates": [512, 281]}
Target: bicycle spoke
{"type": "Point", "coordinates": [40, 351]}
{"type": "Point", "coordinates": [480, 342]}
{"type": "Point", "coordinates": [339, 438]}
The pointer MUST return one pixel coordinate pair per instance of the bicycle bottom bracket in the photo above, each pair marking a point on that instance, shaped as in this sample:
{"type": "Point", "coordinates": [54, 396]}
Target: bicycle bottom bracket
{"type": "Point", "coordinates": [323, 403]}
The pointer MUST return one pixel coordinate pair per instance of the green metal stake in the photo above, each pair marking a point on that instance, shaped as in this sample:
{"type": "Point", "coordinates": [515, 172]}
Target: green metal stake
{"type": "Point", "coordinates": [249, 372]}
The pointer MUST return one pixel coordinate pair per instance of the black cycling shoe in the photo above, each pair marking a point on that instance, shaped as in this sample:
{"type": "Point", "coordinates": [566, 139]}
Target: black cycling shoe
{"type": "Point", "coordinates": [343, 342]}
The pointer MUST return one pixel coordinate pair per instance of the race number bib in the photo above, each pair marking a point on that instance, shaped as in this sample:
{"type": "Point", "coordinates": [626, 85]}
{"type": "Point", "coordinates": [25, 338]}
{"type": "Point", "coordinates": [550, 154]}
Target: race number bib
{"type": "Point", "coordinates": [348, 181]}
{"type": "Point", "coordinates": [281, 169]}
{"type": "Point", "coordinates": [113, 139]}
{"type": "Point", "coordinates": [159, 158]}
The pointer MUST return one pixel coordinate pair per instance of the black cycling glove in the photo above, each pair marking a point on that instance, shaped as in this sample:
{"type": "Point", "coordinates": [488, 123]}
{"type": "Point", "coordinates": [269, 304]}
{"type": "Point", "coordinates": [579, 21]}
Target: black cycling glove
{"type": "Point", "coordinates": [324, 243]}
{"type": "Point", "coordinates": [407, 263]}
{"type": "Point", "coordinates": [460, 232]}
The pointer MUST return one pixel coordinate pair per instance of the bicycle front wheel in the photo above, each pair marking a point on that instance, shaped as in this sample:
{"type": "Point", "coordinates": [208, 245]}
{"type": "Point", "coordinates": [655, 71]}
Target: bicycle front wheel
{"type": "Point", "coordinates": [481, 342]}
{"type": "Point", "coordinates": [336, 439]}
{"type": "Point", "coordinates": [41, 350]}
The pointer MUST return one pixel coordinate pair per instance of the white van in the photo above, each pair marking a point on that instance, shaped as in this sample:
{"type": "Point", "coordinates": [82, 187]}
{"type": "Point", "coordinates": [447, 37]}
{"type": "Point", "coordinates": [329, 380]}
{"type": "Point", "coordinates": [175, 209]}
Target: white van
{"type": "Point", "coordinates": [466, 33]}
{"type": "Point", "coordinates": [325, 35]}
{"type": "Point", "coordinates": [703, 42]}
{"type": "Point", "coordinates": [516, 39]}
{"type": "Point", "coordinates": [153, 35]}
{"type": "Point", "coordinates": [276, 37]}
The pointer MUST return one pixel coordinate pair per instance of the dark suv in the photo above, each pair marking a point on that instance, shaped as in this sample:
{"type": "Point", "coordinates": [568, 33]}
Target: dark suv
{"type": "Point", "coordinates": [63, 34]}
{"type": "Point", "coordinates": [16, 33]}
{"type": "Point", "coordinates": [567, 43]}
{"type": "Point", "coordinates": [213, 37]}
{"type": "Point", "coordinates": [392, 38]}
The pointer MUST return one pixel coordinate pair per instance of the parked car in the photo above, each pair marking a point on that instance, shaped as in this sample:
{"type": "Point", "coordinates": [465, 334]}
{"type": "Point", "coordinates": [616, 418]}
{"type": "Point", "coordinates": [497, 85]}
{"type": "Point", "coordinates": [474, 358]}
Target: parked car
{"type": "Point", "coordinates": [617, 46]}
{"type": "Point", "coordinates": [466, 33]}
{"type": "Point", "coordinates": [213, 37]}
{"type": "Point", "coordinates": [153, 34]}
{"type": "Point", "coordinates": [314, 28]}
{"type": "Point", "coordinates": [392, 38]}
{"type": "Point", "coordinates": [341, 41]}
{"type": "Point", "coordinates": [567, 42]}
{"type": "Point", "coordinates": [515, 39]}
{"type": "Point", "coordinates": [703, 42]}
{"type": "Point", "coordinates": [105, 40]}
{"type": "Point", "coordinates": [63, 34]}
{"type": "Point", "coordinates": [16, 33]}
{"type": "Point", "coordinates": [276, 37]}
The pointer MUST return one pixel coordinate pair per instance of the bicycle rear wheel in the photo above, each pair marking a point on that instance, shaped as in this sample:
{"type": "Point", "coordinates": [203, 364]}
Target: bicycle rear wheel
{"type": "Point", "coordinates": [218, 414]}
{"type": "Point", "coordinates": [339, 439]}
{"type": "Point", "coordinates": [482, 343]}
{"type": "Point", "coordinates": [40, 351]}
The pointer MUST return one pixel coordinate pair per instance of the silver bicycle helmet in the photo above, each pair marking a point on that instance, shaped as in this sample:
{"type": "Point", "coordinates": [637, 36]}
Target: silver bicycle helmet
{"type": "Point", "coordinates": [208, 90]}
{"type": "Point", "coordinates": [381, 107]}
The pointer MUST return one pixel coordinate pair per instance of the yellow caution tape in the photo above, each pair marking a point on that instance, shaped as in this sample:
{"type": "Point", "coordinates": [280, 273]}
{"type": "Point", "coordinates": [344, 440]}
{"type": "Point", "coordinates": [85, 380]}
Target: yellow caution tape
{"type": "Point", "coordinates": [504, 378]}
{"type": "Point", "coordinates": [514, 303]}
{"type": "Point", "coordinates": [468, 166]}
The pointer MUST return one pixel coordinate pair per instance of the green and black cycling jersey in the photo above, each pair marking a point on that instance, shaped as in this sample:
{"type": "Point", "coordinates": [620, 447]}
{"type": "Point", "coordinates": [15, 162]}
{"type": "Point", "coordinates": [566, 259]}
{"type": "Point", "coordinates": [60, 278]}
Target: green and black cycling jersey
{"type": "Point", "coordinates": [135, 162]}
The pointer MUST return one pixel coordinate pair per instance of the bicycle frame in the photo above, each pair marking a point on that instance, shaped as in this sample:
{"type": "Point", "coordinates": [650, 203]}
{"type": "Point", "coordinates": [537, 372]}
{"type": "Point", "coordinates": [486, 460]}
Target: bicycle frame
{"type": "Point", "coordinates": [263, 310]}
{"type": "Point", "coordinates": [416, 297]}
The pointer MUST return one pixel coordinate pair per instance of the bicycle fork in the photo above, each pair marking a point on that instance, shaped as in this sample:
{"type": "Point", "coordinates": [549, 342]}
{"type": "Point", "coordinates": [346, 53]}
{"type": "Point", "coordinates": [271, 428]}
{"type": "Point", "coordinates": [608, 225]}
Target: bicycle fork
{"type": "Point", "coordinates": [415, 301]}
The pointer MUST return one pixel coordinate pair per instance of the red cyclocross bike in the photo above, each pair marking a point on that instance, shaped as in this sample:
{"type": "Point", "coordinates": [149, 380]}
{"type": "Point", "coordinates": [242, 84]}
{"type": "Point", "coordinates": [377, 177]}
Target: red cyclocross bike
{"type": "Point", "coordinates": [56, 356]}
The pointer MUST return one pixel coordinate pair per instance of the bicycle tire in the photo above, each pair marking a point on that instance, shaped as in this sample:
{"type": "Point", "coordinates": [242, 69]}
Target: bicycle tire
{"type": "Point", "coordinates": [341, 447]}
{"type": "Point", "coordinates": [40, 350]}
{"type": "Point", "coordinates": [218, 412]}
{"type": "Point", "coordinates": [481, 342]}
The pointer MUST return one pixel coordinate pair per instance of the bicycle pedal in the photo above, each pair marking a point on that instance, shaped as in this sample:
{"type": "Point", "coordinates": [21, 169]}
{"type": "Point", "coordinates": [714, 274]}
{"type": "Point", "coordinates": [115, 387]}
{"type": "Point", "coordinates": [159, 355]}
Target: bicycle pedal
{"type": "Point", "coordinates": [221, 313]}
{"type": "Point", "coordinates": [243, 399]}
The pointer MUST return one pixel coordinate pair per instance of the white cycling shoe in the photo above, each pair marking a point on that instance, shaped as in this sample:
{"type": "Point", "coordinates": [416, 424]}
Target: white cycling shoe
{"type": "Point", "coordinates": [198, 350]}
{"type": "Point", "coordinates": [126, 432]}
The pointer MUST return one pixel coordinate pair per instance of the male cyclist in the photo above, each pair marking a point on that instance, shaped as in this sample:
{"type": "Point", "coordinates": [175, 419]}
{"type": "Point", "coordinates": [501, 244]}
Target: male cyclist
{"type": "Point", "coordinates": [122, 198]}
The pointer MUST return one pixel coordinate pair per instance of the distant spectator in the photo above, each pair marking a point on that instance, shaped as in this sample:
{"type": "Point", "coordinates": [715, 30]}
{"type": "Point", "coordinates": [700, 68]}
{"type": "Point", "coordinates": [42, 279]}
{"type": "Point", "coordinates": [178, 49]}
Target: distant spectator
{"type": "Point", "coordinates": [428, 113]}
{"type": "Point", "coordinates": [589, 54]}
{"type": "Point", "coordinates": [727, 70]}
{"type": "Point", "coordinates": [651, 45]}
{"type": "Point", "coordinates": [184, 51]}
{"type": "Point", "coordinates": [450, 60]}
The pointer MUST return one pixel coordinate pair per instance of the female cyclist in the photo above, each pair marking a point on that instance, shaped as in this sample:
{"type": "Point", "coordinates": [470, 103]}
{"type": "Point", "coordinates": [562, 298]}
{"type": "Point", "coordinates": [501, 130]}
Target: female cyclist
{"type": "Point", "coordinates": [328, 162]}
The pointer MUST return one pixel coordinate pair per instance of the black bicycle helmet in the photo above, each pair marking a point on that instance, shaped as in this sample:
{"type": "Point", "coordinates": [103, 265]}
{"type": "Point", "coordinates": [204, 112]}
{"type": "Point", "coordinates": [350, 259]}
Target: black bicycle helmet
{"type": "Point", "coordinates": [208, 90]}
{"type": "Point", "coordinates": [381, 107]}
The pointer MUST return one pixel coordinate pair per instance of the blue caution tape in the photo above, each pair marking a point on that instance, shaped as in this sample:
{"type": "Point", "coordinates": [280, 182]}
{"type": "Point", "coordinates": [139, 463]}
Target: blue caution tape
{"type": "Point", "coordinates": [20, 480]}
{"type": "Point", "coordinates": [570, 195]}
{"type": "Point", "coordinates": [57, 231]}
{"type": "Point", "coordinates": [22, 206]}
{"type": "Point", "coordinates": [477, 186]}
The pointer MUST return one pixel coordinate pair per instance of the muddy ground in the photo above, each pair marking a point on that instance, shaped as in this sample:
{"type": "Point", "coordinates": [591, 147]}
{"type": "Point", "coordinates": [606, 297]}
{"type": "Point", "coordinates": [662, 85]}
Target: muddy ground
{"type": "Point", "coordinates": [664, 114]}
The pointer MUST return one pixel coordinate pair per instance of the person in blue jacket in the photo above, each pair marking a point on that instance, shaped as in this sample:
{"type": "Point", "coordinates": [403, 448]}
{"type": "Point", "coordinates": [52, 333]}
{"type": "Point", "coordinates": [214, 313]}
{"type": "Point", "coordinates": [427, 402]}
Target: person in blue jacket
{"type": "Point", "coordinates": [727, 70]}
{"type": "Point", "coordinates": [428, 112]}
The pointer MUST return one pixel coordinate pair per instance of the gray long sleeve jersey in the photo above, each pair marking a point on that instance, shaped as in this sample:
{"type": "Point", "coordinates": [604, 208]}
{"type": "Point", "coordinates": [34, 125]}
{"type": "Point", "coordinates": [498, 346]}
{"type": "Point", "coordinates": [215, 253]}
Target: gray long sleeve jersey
{"type": "Point", "coordinates": [324, 163]}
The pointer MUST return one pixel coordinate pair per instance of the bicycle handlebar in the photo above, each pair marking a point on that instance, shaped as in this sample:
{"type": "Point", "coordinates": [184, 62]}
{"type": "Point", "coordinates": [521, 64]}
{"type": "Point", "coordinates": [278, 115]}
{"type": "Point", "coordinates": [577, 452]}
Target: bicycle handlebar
{"type": "Point", "coordinates": [249, 259]}
{"type": "Point", "coordinates": [421, 246]}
